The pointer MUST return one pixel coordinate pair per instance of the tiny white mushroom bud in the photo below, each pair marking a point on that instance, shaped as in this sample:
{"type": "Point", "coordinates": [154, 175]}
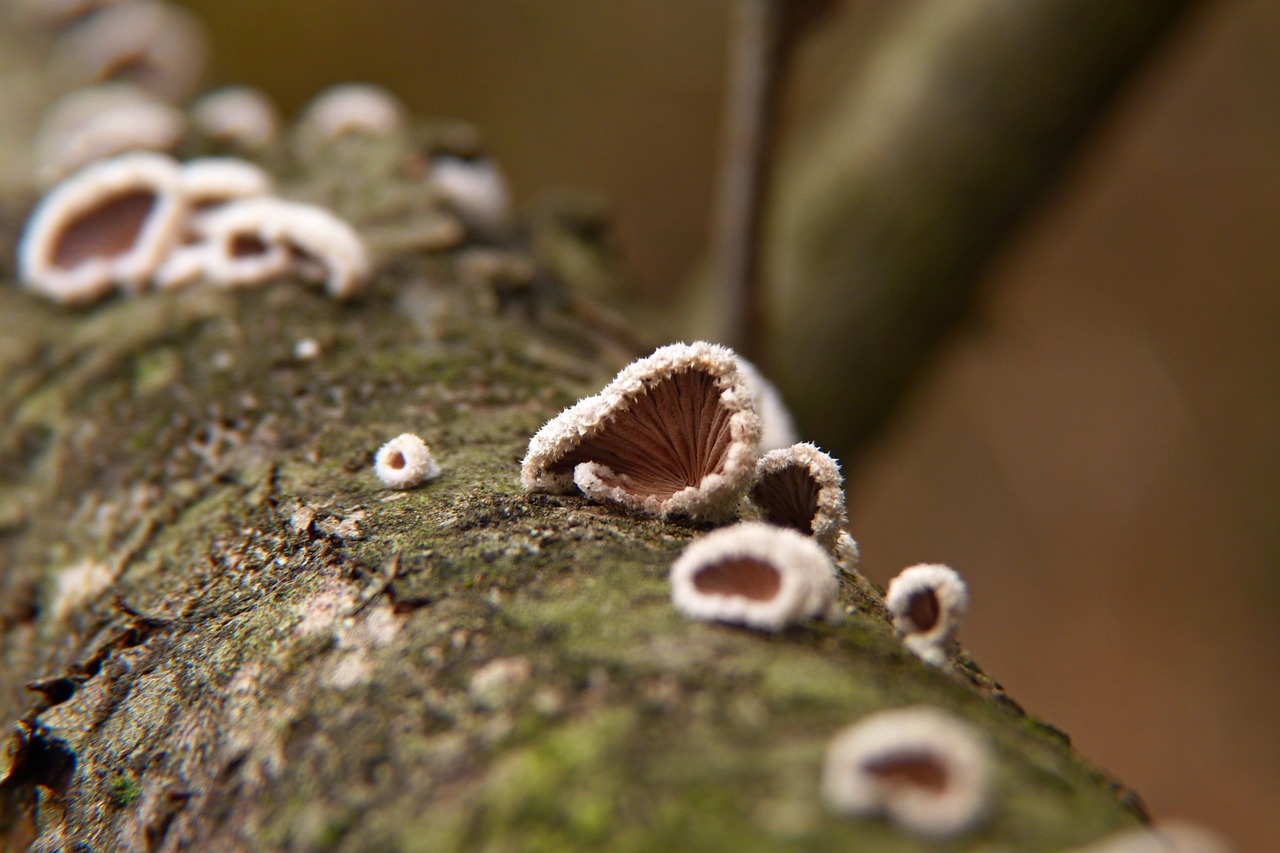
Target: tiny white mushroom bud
{"type": "Point", "coordinates": [212, 181]}
{"type": "Point", "coordinates": [405, 461]}
{"type": "Point", "coordinates": [928, 603]}
{"type": "Point", "coordinates": [239, 115]}
{"type": "Point", "coordinates": [158, 46]}
{"type": "Point", "coordinates": [922, 769]}
{"type": "Point", "coordinates": [352, 108]}
{"type": "Point", "coordinates": [800, 487]}
{"type": "Point", "coordinates": [673, 434]}
{"type": "Point", "coordinates": [103, 121]}
{"type": "Point", "coordinates": [474, 188]}
{"type": "Point", "coordinates": [109, 224]}
{"type": "Point", "coordinates": [756, 575]}
{"type": "Point", "coordinates": [777, 427]}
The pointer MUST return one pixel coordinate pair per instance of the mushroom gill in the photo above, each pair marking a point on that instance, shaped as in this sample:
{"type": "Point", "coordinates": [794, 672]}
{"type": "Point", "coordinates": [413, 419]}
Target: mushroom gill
{"type": "Point", "coordinates": [909, 769]}
{"type": "Point", "coordinates": [107, 230]}
{"type": "Point", "coordinates": [788, 497]}
{"type": "Point", "coordinates": [743, 576]}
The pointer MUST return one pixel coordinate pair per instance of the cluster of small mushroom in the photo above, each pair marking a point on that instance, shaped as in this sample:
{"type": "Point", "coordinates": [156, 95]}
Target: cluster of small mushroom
{"type": "Point", "coordinates": [679, 434]}
{"type": "Point", "coordinates": [143, 218]}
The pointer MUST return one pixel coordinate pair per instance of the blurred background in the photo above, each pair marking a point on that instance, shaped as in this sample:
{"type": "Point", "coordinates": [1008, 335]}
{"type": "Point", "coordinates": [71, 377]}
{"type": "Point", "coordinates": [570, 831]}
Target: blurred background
{"type": "Point", "coordinates": [1094, 448]}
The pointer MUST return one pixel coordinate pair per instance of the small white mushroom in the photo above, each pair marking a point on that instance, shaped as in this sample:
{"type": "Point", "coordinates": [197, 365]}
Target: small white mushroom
{"type": "Point", "coordinates": [800, 487]}
{"type": "Point", "coordinates": [756, 575]}
{"type": "Point", "coordinates": [254, 240]}
{"type": "Point", "coordinates": [405, 461]}
{"type": "Point", "coordinates": [923, 770]}
{"type": "Point", "coordinates": [108, 225]}
{"type": "Point", "coordinates": [928, 603]}
{"type": "Point", "coordinates": [777, 427]}
{"type": "Point", "coordinates": [103, 121]}
{"type": "Point", "coordinates": [238, 115]}
{"type": "Point", "coordinates": [352, 108]}
{"type": "Point", "coordinates": [673, 434]}
{"type": "Point", "coordinates": [473, 188]}
{"type": "Point", "coordinates": [158, 46]}
{"type": "Point", "coordinates": [209, 182]}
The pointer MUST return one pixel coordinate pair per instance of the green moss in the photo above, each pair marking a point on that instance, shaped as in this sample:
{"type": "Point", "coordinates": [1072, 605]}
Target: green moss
{"type": "Point", "coordinates": [122, 790]}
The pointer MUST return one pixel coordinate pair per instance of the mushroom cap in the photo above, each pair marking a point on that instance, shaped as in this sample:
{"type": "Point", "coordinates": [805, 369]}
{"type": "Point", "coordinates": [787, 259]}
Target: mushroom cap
{"type": "Point", "coordinates": [921, 768]}
{"type": "Point", "coordinates": [800, 487]}
{"type": "Point", "coordinates": [241, 115]}
{"type": "Point", "coordinates": [928, 602]}
{"type": "Point", "coordinates": [214, 180]}
{"type": "Point", "coordinates": [777, 427]}
{"type": "Point", "coordinates": [108, 225]}
{"type": "Point", "coordinates": [474, 188]}
{"type": "Point", "coordinates": [753, 574]}
{"type": "Point", "coordinates": [158, 46]}
{"type": "Point", "coordinates": [103, 121]}
{"type": "Point", "coordinates": [352, 108]}
{"type": "Point", "coordinates": [261, 238]}
{"type": "Point", "coordinates": [405, 461]}
{"type": "Point", "coordinates": [674, 434]}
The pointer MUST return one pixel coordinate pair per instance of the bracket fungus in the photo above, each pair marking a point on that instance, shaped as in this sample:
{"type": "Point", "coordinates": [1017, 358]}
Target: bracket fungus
{"type": "Point", "coordinates": [928, 602]}
{"type": "Point", "coordinates": [405, 461]}
{"type": "Point", "coordinates": [237, 115]}
{"type": "Point", "coordinates": [108, 225]}
{"type": "Point", "coordinates": [674, 434]}
{"type": "Point", "coordinates": [920, 768]}
{"type": "Point", "coordinates": [800, 487]}
{"type": "Point", "coordinates": [253, 240]}
{"type": "Point", "coordinates": [754, 574]}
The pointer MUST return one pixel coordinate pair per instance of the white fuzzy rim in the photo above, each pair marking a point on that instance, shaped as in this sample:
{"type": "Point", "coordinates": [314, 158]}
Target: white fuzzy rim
{"type": "Point", "coordinates": [800, 487]}
{"type": "Point", "coordinates": [920, 768]}
{"type": "Point", "coordinates": [258, 239]}
{"type": "Point", "coordinates": [210, 181]}
{"type": "Point", "coordinates": [240, 115]}
{"type": "Point", "coordinates": [928, 603]}
{"type": "Point", "coordinates": [108, 225]}
{"type": "Point", "coordinates": [405, 461]}
{"type": "Point", "coordinates": [673, 434]}
{"type": "Point", "coordinates": [777, 427]}
{"type": "Point", "coordinates": [755, 575]}
{"type": "Point", "coordinates": [347, 108]}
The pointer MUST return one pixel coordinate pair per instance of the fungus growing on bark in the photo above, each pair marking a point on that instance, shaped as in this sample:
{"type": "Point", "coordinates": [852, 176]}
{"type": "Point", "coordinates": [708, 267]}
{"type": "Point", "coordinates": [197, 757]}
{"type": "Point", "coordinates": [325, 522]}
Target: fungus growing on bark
{"type": "Point", "coordinates": [254, 240]}
{"type": "Point", "coordinates": [99, 122]}
{"type": "Point", "coordinates": [473, 188]}
{"type": "Point", "coordinates": [928, 602]}
{"type": "Point", "coordinates": [108, 225]}
{"type": "Point", "coordinates": [673, 434]}
{"type": "Point", "coordinates": [404, 462]}
{"type": "Point", "coordinates": [352, 108]}
{"type": "Point", "coordinates": [753, 574]}
{"type": "Point", "coordinates": [800, 487]}
{"type": "Point", "coordinates": [920, 768]}
{"type": "Point", "coordinates": [777, 427]}
{"type": "Point", "coordinates": [158, 46]}
{"type": "Point", "coordinates": [209, 182]}
{"type": "Point", "coordinates": [237, 115]}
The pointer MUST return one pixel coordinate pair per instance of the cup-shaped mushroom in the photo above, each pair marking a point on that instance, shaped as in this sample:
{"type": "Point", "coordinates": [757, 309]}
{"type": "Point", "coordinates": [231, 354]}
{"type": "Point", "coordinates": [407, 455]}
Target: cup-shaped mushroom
{"type": "Point", "coordinates": [674, 434]}
{"type": "Point", "coordinates": [755, 575]}
{"type": "Point", "coordinates": [474, 189]}
{"type": "Point", "coordinates": [210, 182]}
{"type": "Point", "coordinates": [923, 770]}
{"type": "Point", "coordinates": [928, 602]}
{"type": "Point", "coordinates": [108, 225]}
{"type": "Point", "coordinates": [800, 487]}
{"type": "Point", "coordinates": [352, 108]}
{"type": "Point", "coordinates": [777, 427]}
{"type": "Point", "coordinates": [239, 116]}
{"type": "Point", "coordinates": [405, 461]}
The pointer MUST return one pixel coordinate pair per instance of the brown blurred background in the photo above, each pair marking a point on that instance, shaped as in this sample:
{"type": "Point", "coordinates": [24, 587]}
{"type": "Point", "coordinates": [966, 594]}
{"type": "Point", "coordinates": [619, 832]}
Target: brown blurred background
{"type": "Point", "coordinates": [1097, 452]}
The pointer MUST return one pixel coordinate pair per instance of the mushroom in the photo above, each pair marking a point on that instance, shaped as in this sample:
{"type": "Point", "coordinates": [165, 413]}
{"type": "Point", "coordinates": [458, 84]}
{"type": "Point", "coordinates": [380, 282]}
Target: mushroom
{"type": "Point", "coordinates": [928, 602]}
{"type": "Point", "coordinates": [237, 115]}
{"type": "Point", "coordinates": [103, 121]}
{"type": "Point", "coordinates": [473, 188]}
{"type": "Point", "coordinates": [405, 461]}
{"type": "Point", "coordinates": [352, 108]}
{"type": "Point", "coordinates": [777, 427]}
{"type": "Point", "coordinates": [253, 240]}
{"type": "Point", "coordinates": [673, 434]}
{"type": "Point", "coordinates": [160, 47]}
{"type": "Point", "coordinates": [756, 575]}
{"type": "Point", "coordinates": [800, 487]}
{"type": "Point", "coordinates": [920, 768]}
{"type": "Point", "coordinates": [210, 182]}
{"type": "Point", "coordinates": [108, 225]}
